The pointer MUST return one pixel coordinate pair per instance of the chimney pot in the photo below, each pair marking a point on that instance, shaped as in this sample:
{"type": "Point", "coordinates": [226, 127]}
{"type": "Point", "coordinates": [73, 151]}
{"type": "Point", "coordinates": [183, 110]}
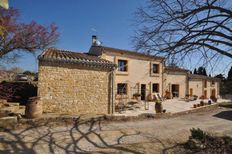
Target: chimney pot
{"type": "Point", "coordinates": [94, 40]}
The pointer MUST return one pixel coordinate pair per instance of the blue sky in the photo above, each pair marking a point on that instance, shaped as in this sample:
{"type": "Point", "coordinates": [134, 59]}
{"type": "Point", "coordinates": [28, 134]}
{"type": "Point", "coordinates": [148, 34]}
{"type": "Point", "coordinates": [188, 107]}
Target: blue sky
{"type": "Point", "coordinates": [77, 21]}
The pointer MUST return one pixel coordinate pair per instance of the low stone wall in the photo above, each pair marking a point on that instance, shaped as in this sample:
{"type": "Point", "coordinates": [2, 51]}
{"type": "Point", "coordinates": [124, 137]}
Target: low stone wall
{"type": "Point", "coordinates": [71, 89]}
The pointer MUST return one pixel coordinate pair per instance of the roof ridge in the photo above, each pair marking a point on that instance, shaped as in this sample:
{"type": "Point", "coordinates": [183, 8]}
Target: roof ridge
{"type": "Point", "coordinates": [129, 51]}
{"type": "Point", "coordinates": [54, 54]}
{"type": "Point", "coordinates": [64, 50]}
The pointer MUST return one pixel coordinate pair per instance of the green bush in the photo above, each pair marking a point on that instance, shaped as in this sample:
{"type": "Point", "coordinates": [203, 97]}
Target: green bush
{"type": "Point", "coordinates": [228, 141]}
{"type": "Point", "coordinates": [197, 133]}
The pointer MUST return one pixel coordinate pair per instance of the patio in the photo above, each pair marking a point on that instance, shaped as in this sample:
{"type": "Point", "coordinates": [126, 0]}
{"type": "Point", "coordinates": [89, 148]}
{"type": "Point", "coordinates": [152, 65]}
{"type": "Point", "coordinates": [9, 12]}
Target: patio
{"type": "Point", "coordinates": [170, 105]}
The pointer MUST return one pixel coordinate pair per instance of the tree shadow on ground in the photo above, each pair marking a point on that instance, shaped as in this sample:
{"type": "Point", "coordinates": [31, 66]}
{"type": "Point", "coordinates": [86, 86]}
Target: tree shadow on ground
{"type": "Point", "coordinates": [227, 115]}
{"type": "Point", "coordinates": [45, 135]}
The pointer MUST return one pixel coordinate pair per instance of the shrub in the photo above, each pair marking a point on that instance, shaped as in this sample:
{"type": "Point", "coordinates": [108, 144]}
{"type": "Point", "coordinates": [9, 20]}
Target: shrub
{"type": "Point", "coordinates": [228, 141]}
{"type": "Point", "coordinates": [202, 97]}
{"type": "Point", "coordinates": [17, 91]}
{"type": "Point", "coordinates": [213, 98]}
{"type": "Point", "coordinates": [208, 143]}
{"type": "Point", "coordinates": [197, 133]}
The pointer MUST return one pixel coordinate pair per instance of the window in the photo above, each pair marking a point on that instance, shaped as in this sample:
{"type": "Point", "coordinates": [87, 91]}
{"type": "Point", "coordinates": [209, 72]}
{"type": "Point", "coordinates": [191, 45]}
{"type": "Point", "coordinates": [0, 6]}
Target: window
{"type": "Point", "coordinates": [155, 68]}
{"type": "Point", "coordinates": [213, 83]}
{"type": "Point", "coordinates": [205, 84]}
{"type": "Point", "coordinates": [155, 87]}
{"type": "Point", "coordinates": [122, 88]}
{"type": "Point", "coordinates": [122, 65]}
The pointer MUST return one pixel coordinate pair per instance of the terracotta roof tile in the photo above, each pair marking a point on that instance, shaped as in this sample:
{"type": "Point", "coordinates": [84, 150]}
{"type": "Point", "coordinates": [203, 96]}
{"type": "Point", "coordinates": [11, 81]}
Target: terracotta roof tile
{"type": "Point", "coordinates": [196, 76]}
{"type": "Point", "coordinates": [175, 69]}
{"type": "Point", "coordinates": [53, 54]}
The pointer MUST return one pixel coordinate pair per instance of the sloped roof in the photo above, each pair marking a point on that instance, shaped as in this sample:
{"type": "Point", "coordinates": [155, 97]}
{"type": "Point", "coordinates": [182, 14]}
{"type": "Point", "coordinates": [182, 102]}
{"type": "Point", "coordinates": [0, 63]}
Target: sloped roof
{"type": "Point", "coordinates": [201, 77]}
{"type": "Point", "coordinates": [60, 55]}
{"type": "Point", "coordinates": [105, 49]}
{"type": "Point", "coordinates": [175, 69]}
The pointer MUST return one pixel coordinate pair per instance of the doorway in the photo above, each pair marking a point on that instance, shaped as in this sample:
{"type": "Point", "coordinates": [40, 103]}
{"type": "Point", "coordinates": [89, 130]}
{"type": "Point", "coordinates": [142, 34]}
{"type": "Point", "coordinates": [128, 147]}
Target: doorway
{"type": "Point", "coordinates": [213, 93]}
{"type": "Point", "coordinates": [205, 94]}
{"type": "Point", "coordinates": [191, 92]}
{"type": "Point", "coordinates": [143, 91]}
{"type": "Point", "coordinates": [175, 90]}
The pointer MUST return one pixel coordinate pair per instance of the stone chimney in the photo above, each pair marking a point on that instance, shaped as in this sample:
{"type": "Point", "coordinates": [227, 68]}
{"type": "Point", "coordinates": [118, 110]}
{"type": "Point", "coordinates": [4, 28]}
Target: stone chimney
{"type": "Point", "coordinates": [94, 40]}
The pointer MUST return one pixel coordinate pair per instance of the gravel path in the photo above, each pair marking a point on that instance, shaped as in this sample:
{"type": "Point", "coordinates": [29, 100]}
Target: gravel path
{"type": "Point", "coordinates": [149, 136]}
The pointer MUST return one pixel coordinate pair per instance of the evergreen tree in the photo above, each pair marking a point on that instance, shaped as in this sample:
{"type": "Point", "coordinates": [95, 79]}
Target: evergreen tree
{"type": "Point", "coordinates": [204, 72]}
{"type": "Point", "coordinates": [229, 78]}
{"type": "Point", "coordinates": [200, 70]}
{"type": "Point", "coordinates": [195, 71]}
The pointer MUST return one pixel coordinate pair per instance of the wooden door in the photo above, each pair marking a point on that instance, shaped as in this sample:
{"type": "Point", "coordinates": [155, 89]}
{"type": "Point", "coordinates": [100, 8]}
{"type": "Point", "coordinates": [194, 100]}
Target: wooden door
{"type": "Point", "coordinates": [143, 91]}
{"type": "Point", "coordinates": [213, 93]}
{"type": "Point", "coordinates": [205, 94]}
{"type": "Point", "coordinates": [191, 92]}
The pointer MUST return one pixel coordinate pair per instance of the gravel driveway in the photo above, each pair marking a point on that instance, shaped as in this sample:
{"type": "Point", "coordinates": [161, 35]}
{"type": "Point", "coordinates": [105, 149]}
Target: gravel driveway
{"type": "Point", "coordinates": [149, 136]}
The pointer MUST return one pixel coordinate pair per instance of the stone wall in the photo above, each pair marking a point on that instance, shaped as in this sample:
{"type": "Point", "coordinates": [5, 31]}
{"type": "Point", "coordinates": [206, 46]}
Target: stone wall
{"type": "Point", "coordinates": [73, 89]}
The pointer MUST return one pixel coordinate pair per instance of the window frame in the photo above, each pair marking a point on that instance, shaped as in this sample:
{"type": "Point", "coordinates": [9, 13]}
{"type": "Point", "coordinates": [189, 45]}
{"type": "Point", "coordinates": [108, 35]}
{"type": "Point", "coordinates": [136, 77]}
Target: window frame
{"type": "Point", "coordinates": [157, 68]}
{"type": "Point", "coordinates": [125, 90]}
{"type": "Point", "coordinates": [157, 84]}
{"type": "Point", "coordinates": [125, 67]}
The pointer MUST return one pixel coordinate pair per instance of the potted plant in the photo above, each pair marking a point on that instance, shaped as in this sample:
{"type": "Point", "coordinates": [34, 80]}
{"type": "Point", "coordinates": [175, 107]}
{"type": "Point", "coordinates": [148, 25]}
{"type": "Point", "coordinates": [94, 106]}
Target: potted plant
{"type": "Point", "coordinates": [202, 97]}
{"type": "Point", "coordinates": [194, 105]}
{"type": "Point", "coordinates": [136, 96]}
{"type": "Point", "coordinates": [209, 102]}
{"type": "Point", "coordinates": [202, 103]}
{"type": "Point", "coordinates": [158, 106]}
{"type": "Point", "coordinates": [195, 97]}
{"type": "Point", "coordinates": [213, 98]}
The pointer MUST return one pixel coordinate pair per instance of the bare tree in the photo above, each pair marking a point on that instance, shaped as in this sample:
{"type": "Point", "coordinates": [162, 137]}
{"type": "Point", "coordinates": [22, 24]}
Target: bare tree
{"type": "Point", "coordinates": [28, 37]}
{"type": "Point", "coordinates": [181, 28]}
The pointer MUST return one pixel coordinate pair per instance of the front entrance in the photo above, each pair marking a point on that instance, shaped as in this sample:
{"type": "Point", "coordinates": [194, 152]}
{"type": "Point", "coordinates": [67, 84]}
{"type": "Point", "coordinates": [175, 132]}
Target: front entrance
{"type": "Point", "coordinates": [191, 92]}
{"type": "Point", "coordinates": [205, 94]}
{"type": "Point", "coordinates": [175, 90]}
{"type": "Point", "coordinates": [213, 93]}
{"type": "Point", "coordinates": [143, 91]}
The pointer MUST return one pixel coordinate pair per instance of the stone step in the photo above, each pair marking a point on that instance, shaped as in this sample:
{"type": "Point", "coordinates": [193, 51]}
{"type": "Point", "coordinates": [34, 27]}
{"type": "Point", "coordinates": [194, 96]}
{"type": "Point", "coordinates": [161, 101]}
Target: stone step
{"type": "Point", "coordinates": [4, 111]}
{"type": "Point", "coordinates": [6, 121]}
{"type": "Point", "coordinates": [22, 107]}
{"type": "Point", "coordinates": [13, 104]}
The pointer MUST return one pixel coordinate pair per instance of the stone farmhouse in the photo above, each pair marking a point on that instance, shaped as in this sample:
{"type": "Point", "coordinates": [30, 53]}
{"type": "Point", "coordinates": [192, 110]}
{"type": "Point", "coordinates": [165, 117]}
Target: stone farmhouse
{"type": "Point", "coordinates": [93, 82]}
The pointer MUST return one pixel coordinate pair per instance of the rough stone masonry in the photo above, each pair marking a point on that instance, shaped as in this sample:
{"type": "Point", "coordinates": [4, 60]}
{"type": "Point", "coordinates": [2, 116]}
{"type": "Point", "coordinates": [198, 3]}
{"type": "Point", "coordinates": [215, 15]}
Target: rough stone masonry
{"type": "Point", "coordinates": [72, 87]}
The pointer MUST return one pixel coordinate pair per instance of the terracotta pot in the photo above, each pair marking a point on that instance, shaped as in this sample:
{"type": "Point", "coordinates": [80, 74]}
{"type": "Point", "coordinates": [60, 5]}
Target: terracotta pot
{"type": "Point", "coordinates": [209, 102]}
{"type": "Point", "coordinates": [158, 108]}
{"type": "Point", "coordinates": [202, 103]}
{"type": "Point", "coordinates": [194, 105]}
{"type": "Point", "coordinates": [34, 108]}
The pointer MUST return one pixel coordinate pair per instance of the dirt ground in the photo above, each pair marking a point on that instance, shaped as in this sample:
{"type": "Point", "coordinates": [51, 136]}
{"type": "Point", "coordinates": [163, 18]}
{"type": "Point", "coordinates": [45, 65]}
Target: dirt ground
{"type": "Point", "coordinates": [148, 136]}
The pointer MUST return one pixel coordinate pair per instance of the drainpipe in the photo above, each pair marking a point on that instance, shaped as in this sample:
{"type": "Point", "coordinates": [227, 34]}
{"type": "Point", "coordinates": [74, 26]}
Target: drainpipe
{"type": "Point", "coordinates": [112, 91]}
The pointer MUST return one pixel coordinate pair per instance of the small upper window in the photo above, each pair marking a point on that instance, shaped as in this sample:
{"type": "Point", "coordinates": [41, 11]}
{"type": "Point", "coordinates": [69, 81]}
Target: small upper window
{"type": "Point", "coordinates": [122, 65]}
{"type": "Point", "coordinates": [155, 68]}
